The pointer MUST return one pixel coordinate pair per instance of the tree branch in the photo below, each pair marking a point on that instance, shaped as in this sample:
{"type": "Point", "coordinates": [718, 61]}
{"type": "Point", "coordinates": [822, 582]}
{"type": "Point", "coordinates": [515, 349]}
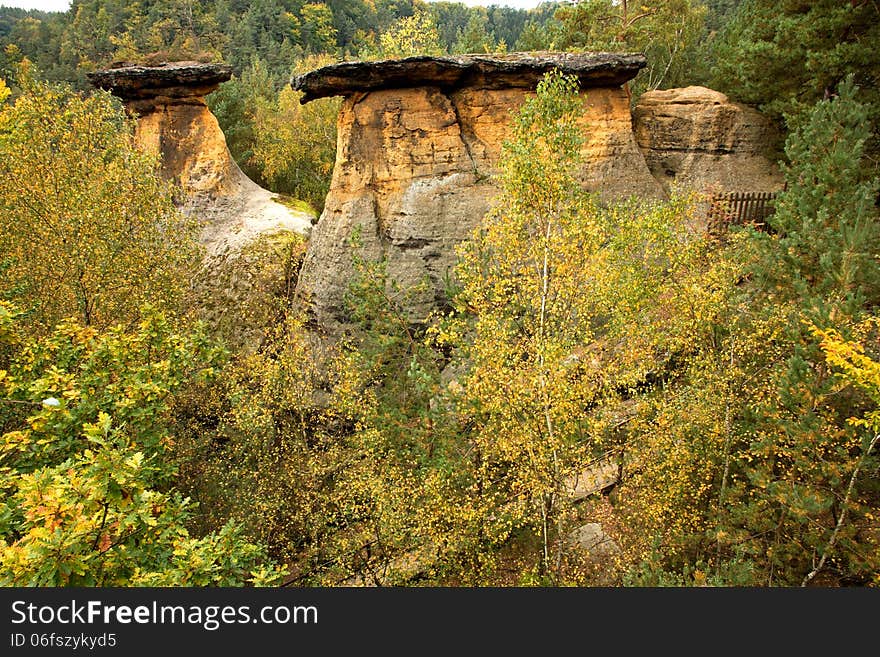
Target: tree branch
{"type": "Point", "coordinates": [849, 489]}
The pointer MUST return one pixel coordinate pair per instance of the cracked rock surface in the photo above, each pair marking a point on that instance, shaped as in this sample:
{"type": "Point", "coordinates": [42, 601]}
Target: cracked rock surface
{"type": "Point", "coordinates": [498, 71]}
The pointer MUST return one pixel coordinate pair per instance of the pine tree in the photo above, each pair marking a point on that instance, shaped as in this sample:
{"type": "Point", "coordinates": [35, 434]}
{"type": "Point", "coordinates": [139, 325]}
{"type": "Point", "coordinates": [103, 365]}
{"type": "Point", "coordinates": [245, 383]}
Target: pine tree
{"type": "Point", "coordinates": [827, 216]}
{"type": "Point", "coordinates": [822, 271]}
{"type": "Point", "coordinates": [785, 56]}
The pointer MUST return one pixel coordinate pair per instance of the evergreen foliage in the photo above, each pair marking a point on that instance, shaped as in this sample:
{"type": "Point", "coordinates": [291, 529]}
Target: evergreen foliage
{"type": "Point", "coordinates": [785, 56]}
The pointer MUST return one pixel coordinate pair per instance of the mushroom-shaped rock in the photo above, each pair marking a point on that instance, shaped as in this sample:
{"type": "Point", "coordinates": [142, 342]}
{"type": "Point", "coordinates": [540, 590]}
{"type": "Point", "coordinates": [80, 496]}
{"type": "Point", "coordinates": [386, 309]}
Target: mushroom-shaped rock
{"type": "Point", "coordinates": [697, 138]}
{"type": "Point", "coordinates": [174, 120]}
{"type": "Point", "coordinates": [503, 71]}
{"type": "Point", "coordinates": [419, 141]}
{"type": "Point", "coordinates": [237, 216]}
{"type": "Point", "coordinates": [171, 80]}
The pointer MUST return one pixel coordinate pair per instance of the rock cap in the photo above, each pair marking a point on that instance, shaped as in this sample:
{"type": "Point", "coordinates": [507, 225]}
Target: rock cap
{"type": "Point", "coordinates": [693, 95]}
{"type": "Point", "coordinates": [172, 79]}
{"type": "Point", "coordinates": [517, 69]}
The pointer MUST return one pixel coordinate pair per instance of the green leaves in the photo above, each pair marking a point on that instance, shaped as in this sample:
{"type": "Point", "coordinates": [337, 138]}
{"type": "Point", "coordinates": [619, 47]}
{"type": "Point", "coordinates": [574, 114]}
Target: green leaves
{"type": "Point", "coordinates": [90, 228]}
{"type": "Point", "coordinates": [786, 56]}
{"type": "Point", "coordinates": [295, 145]}
{"type": "Point", "coordinates": [827, 215]}
{"type": "Point", "coordinates": [86, 482]}
{"type": "Point", "coordinates": [407, 37]}
{"type": "Point", "coordinates": [666, 31]}
{"type": "Point", "coordinates": [524, 276]}
{"type": "Point", "coordinates": [799, 450]}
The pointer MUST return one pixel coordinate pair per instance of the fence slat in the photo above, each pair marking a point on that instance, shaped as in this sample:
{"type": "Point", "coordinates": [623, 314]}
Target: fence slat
{"type": "Point", "coordinates": [738, 208]}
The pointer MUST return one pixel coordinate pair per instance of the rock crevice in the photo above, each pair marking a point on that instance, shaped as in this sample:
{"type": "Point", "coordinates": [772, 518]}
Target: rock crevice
{"type": "Point", "coordinates": [468, 138]}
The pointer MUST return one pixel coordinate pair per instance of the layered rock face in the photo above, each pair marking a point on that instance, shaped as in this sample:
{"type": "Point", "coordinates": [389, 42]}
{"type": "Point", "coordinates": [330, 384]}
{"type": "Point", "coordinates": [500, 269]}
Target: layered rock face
{"type": "Point", "coordinates": [175, 121]}
{"type": "Point", "coordinates": [419, 140]}
{"type": "Point", "coordinates": [249, 236]}
{"type": "Point", "coordinates": [696, 138]}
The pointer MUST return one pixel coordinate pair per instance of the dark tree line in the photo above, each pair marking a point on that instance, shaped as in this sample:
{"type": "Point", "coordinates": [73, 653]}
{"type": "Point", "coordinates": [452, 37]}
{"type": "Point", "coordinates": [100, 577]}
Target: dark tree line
{"type": "Point", "coordinates": [95, 33]}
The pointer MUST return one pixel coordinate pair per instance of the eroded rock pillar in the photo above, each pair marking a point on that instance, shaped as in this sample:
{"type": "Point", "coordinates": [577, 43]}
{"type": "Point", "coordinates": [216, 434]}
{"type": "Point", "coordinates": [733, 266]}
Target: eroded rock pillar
{"type": "Point", "coordinates": [419, 142]}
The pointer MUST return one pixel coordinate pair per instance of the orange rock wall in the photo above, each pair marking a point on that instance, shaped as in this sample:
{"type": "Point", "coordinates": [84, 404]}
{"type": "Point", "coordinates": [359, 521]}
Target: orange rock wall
{"type": "Point", "coordinates": [413, 177]}
{"type": "Point", "coordinates": [191, 144]}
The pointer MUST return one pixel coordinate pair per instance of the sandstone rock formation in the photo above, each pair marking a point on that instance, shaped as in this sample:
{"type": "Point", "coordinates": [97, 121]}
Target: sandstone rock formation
{"type": "Point", "coordinates": [418, 142]}
{"type": "Point", "coordinates": [174, 120]}
{"type": "Point", "coordinates": [696, 138]}
{"type": "Point", "coordinates": [513, 70]}
{"type": "Point", "coordinates": [249, 236]}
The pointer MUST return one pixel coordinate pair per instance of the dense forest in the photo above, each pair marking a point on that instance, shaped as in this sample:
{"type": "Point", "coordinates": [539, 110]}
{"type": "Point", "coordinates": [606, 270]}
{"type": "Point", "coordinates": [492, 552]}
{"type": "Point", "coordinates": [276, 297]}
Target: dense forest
{"type": "Point", "coordinates": [732, 377]}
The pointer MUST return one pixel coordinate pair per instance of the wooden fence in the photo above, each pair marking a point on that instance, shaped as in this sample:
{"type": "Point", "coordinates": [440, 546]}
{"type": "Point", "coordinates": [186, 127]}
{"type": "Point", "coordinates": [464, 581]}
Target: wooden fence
{"type": "Point", "coordinates": [740, 208]}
